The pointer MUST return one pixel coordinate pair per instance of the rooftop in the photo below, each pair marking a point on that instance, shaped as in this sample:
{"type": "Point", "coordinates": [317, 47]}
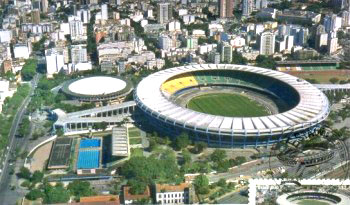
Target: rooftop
{"type": "Point", "coordinates": [98, 85]}
{"type": "Point", "coordinates": [129, 196]}
{"type": "Point", "coordinates": [171, 188]}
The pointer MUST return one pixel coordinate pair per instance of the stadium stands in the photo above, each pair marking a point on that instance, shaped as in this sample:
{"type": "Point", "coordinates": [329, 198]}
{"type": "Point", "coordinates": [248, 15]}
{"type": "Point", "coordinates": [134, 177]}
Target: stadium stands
{"type": "Point", "coordinates": [234, 78]}
{"type": "Point", "coordinates": [178, 83]}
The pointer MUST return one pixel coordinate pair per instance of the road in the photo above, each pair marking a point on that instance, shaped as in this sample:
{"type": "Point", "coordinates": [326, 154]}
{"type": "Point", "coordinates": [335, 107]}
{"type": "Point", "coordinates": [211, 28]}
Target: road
{"type": "Point", "coordinates": [246, 170]}
{"type": "Point", "coordinates": [8, 196]}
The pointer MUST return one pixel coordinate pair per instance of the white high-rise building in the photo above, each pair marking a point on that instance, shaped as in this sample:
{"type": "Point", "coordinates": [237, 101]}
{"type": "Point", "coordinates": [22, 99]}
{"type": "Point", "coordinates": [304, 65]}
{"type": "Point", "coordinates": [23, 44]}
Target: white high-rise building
{"type": "Point", "coordinates": [21, 51]}
{"type": "Point", "coordinates": [267, 43]}
{"type": "Point", "coordinates": [78, 54]}
{"type": "Point", "coordinates": [165, 42]}
{"type": "Point", "coordinates": [174, 26]}
{"type": "Point", "coordinates": [54, 61]}
{"type": "Point", "coordinates": [321, 40]}
{"type": "Point", "coordinates": [332, 43]}
{"type": "Point", "coordinates": [5, 36]}
{"type": "Point", "coordinates": [104, 12]}
{"type": "Point", "coordinates": [76, 29]}
{"type": "Point", "coordinates": [332, 23]}
{"type": "Point", "coordinates": [192, 42]}
{"type": "Point", "coordinates": [44, 6]}
{"type": "Point", "coordinates": [289, 43]}
{"type": "Point", "coordinates": [345, 18]}
{"type": "Point", "coordinates": [226, 53]}
{"type": "Point", "coordinates": [84, 15]}
{"type": "Point", "coordinates": [260, 4]}
{"type": "Point", "coordinates": [164, 12]}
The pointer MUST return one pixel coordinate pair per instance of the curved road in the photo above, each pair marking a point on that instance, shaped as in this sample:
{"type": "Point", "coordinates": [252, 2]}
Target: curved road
{"type": "Point", "coordinates": [5, 178]}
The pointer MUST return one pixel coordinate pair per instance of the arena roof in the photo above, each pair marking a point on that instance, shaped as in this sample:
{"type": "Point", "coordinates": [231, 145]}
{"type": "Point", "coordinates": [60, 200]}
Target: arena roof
{"type": "Point", "coordinates": [97, 88]}
{"type": "Point", "coordinates": [97, 85]}
{"type": "Point", "coordinates": [312, 108]}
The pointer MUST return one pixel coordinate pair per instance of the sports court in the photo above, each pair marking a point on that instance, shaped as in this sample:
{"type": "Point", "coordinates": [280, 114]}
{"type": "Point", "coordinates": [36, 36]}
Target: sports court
{"type": "Point", "coordinates": [60, 153]}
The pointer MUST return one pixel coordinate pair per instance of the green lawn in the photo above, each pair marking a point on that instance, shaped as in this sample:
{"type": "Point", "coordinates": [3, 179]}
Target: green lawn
{"type": "Point", "coordinates": [227, 104]}
{"type": "Point", "coordinates": [134, 132]}
{"type": "Point", "coordinates": [136, 152]}
{"type": "Point", "coordinates": [135, 141]}
{"type": "Point", "coordinates": [311, 202]}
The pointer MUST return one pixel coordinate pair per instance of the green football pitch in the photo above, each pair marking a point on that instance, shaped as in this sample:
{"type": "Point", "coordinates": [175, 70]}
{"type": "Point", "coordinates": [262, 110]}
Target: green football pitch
{"type": "Point", "coordinates": [227, 104]}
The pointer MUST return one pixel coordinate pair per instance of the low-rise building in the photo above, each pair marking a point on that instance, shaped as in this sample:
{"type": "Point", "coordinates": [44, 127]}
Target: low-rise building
{"type": "Point", "coordinates": [172, 194]}
{"type": "Point", "coordinates": [131, 198]}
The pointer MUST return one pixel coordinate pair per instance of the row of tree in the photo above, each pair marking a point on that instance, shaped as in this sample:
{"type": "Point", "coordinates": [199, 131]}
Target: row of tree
{"type": "Point", "coordinates": [9, 109]}
{"type": "Point", "coordinates": [59, 194]}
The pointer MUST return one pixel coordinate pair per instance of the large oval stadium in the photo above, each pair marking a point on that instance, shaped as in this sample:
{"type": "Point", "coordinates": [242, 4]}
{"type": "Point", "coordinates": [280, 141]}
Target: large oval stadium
{"type": "Point", "coordinates": [231, 105]}
{"type": "Point", "coordinates": [97, 89]}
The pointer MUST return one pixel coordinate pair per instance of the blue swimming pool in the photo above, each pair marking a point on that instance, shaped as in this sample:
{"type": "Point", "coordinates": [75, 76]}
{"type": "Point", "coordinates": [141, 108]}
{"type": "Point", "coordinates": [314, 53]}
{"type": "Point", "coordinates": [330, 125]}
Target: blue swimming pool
{"type": "Point", "coordinates": [89, 143]}
{"type": "Point", "coordinates": [88, 159]}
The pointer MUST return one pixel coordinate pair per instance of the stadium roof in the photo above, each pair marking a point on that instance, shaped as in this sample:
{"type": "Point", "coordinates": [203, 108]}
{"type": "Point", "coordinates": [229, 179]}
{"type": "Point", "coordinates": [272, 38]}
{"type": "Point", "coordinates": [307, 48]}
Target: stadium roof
{"type": "Point", "coordinates": [98, 87]}
{"type": "Point", "coordinates": [312, 108]}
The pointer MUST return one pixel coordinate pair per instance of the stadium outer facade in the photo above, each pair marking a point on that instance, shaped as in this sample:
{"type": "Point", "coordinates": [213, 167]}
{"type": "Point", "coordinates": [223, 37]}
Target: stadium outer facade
{"type": "Point", "coordinates": [311, 107]}
{"type": "Point", "coordinates": [117, 96]}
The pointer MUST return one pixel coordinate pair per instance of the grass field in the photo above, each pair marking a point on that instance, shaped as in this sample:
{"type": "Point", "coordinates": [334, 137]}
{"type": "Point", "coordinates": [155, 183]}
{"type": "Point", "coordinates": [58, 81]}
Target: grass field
{"type": "Point", "coordinates": [134, 132]}
{"type": "Point", "coordinates": [311, 202]}
{"type": "Point", "coordinates": [322, 76]}
{"type": "Point", "coordinates": [135, 141]}
{"type": "Point", "coordinates": [227, 104]}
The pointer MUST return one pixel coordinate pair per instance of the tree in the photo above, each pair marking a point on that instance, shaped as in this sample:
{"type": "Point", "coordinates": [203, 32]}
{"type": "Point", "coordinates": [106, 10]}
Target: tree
{"type": "Point", "coordinates": [334, 80]}
{"type": "Point", "coordinates": [29, 69]}
{"type": "Point", "coordinates": [60, 132]}
{"type": "Point", "coordinates": [182, 141]}
{"type": "Point", "coordinates": [55, 194]}
{"type": "Point", "coordinates": [142, 201]}
{"type": "Point", "coordinates": [199, 147]}
{"type": "Point", "coordinates": [237, 58]}
{"type": "Point", "coordinates": [24, 128]}
{"type": "Point", "coordinates": [201, 184]}
{"type": "Point", "coordinates": [221, 182]}
{"type": "Point", "coordinates": [137, 187]}
{"type": "Point", "coordinates": [186, 155]}
{"type": "Point", "coordinates": [24, 173]}
{"type": "Point", "coordinates": [34, 194]}
{"type": "Point", "coordinates": [240, 160]}
{"type": "Point", "coordinates": [218, 155]}
{"type": "Point", "coordinates": [265, 62]}
{"type": "Point", "coordinates": [80, 188]}
{"type": "Point", "coordinates": [37, 177]}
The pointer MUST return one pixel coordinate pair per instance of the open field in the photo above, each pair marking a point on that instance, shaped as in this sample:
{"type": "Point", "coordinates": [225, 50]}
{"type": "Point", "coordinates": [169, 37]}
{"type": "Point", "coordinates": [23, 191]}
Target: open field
{"type": "Point", "coordinates": [136, 152]}
{"type": "Point", "coordinates": [135, 141]}
{"type": "Point", "coordinates": [134, 132]}
{"type": "Point", "coordinates": [227, 104]}
{"type": "Point", "coordinates": [311, 202]}
{"type": "Point", "coordinates": [322, 76]}
{"type": "Point", "coordinates": [41, 155]}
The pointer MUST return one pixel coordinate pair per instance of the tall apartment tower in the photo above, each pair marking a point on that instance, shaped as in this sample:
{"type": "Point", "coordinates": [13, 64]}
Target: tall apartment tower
{"type": "Point", "coordinates": [226, 53]}
{"type": "Point", "coordinates": [226, 8]}
{"type": "Point", "coordinates": [165, 13]}
{"type": "Point", "coordinates": [104, 11]}
{"type": "Point", "coordinates": [44, 6]}
{"type": "Point", "coordinates": [267, 43]}
{"type": "Point", "coordinates": [247, 7]}
{"type": "Point", "coordinates": [35, 16]}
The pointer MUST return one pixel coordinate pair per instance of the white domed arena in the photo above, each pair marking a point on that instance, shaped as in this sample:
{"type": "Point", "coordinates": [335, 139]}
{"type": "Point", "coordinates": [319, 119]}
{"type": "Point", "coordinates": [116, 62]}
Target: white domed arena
{"type": "Point", "coordinates": [97, 88]}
